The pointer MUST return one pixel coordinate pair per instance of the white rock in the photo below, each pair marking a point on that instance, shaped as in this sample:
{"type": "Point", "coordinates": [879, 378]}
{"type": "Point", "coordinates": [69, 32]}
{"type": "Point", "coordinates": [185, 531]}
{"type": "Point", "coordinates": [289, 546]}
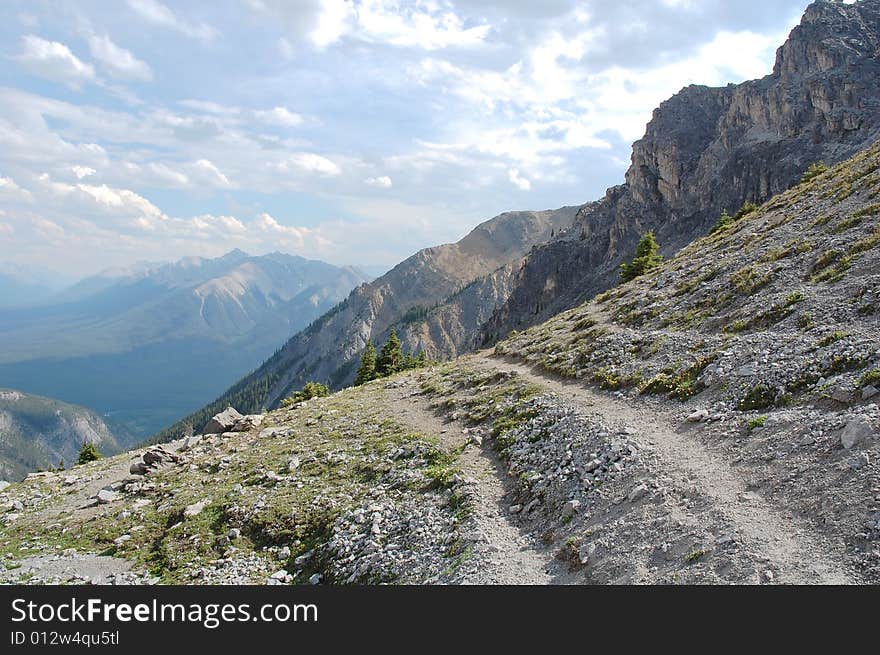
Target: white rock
{"type": "Point", "coordinates": [234, 533]}
{"type": "Point", "coordinates": [698, 416]}
{"type": "Point", "coordinates": [315, 579]}
{"type": "Point", "coordinates": [515, 509]}
{"type": "Point", "coordinates": [195, 509]}
{"type": "Point", "coordinates": [106, 496]}
{"type": "Point", "coordinates": [4, 485]}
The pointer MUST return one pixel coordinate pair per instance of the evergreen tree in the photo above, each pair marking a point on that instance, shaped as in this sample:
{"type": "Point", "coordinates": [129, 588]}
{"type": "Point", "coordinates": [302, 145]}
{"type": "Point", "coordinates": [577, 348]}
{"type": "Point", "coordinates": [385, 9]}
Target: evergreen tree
{"type": "Point", "coordinates": [421, 359]}
{"type": "Point", "coordinates": [88, 453]}
{"type": "Point", "coordinates": [367, 370]}
{"type": "Point", "coordinates": [390, 358]}
{"type": "Point", "coordinates": [647, 257]}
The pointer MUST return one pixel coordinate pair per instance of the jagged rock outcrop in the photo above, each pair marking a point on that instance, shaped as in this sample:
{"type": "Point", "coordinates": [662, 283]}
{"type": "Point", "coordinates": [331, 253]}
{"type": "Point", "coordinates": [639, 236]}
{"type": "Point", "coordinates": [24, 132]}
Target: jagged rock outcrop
{"type": "Point", "coordinates": [710, 149]}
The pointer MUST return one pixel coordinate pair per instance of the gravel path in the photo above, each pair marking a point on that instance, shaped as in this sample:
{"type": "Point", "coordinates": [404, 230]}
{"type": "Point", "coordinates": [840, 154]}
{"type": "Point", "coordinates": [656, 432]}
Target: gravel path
{"type": "Point", "coordinates": [509, 555]}
{"type": "Point", "coordinates": [797, 554]}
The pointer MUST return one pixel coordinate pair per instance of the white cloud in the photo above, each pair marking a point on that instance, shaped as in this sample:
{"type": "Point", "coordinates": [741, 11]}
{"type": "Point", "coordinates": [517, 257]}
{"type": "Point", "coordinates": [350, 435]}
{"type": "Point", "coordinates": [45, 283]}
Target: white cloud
{"type": "Point", "coordinates": [309, 162]}
{"type": "Point", "coordinates": [6, 228]}
{"type": "Point", "coordinates": [54, 61]}
{"type": "Point", "coordinates": [158, 14]}
{"type": "Point", "coordinates": [382, 182]}
{"type": "Point", "coordinates": [82, 171]}
{"type": "Point", "coordinates": [10, 191]}
{"type": "Point", "coordinates": [117, 61]}
{"type": "Point", "coordinates": [518, 181]}
{"type": "Point", "coordinates": [212, 173]}
{"type": "Point", "coordinates": [422, 25]}
{"type": "Point", "coordinates": [280, 116]}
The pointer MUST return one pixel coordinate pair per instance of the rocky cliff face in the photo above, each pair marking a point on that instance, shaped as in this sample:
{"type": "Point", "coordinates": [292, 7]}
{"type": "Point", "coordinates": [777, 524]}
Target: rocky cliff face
{"type": "Point", "coordinates": [707, 149]}
{"type": "Point", "coordinates": [38, 432]}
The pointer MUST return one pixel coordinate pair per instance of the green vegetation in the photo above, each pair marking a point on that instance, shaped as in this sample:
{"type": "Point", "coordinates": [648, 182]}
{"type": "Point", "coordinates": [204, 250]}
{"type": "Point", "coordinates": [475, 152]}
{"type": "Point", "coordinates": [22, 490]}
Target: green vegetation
{"type": "Point", "coordinates": [367, 370]}
{"type": "Point", "coordinates": [647, 258]}
{"type": "Point", "coordinates": [871, 377]}
{"type": "Point", "coordinates": [389, 361]}
{"type": "Point", "coordinates": [88, 453]}
{"type": "Point", "coordinates": [814, 171]}
{"type": "Point", "coordinates": [832, 337]}
{"type": "Point", "coordinates": [759, 396]}
{"type": "Point", "coordinates": [694, 555]}
{"type": "Point", "coordinates": [757, 422]}
{"type": "Point", "coordinates": [747, 280]}
{"type": "Point", "coordinates": [309, 391]}
{"type": "Point", "coordinates": [726, 220]}
{"type": "Point", "coordinates": [681, 384]}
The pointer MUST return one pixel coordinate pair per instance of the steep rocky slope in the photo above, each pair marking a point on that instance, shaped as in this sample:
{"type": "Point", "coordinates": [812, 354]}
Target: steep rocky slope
{"type": "Point", "coordinates": [707, 149]}
{"type": "Point", "coordinates": [437, 299]}
{"type": "Point", "coordinates": [714, 421]}
{"type": "Point", "coordinates": [38, 432]}
{"type": "Point", "coordinates": [149, 344]}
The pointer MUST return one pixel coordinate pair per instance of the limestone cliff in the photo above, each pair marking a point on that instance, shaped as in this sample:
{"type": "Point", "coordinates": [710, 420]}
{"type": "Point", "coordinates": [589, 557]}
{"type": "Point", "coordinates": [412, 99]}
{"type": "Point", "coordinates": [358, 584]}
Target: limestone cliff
{"type": "Point", "coordinates": [710, 149]}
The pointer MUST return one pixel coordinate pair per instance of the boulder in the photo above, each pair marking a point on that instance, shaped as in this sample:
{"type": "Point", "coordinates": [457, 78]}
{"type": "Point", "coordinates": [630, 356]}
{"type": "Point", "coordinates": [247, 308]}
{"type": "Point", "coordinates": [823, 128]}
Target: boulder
{"type": "Point", "coordinates": [223, 422]}
{"type": "Point", "coordinates": [105, 496]}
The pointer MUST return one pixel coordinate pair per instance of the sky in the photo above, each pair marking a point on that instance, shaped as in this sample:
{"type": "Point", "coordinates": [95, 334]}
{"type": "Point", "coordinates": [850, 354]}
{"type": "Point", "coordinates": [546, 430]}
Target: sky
{"type": "Point", "coordinates": [352, 131]}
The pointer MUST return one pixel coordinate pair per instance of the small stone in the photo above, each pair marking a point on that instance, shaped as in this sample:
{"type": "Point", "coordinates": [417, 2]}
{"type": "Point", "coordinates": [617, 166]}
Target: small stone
{"type": "Point", "coordinates": [190, 442]}
{"type": "Point", "coordinates": [195, 509]}
{"type": "Point", "coordinates": [869, 392]}
{"type": "Point", "coordinates": [638, 493]}
{"type": "Point", "coordinates": [315, 579]}
{"type": "Point", "coordinates": [233, 534]}
{"type": "Point", "coordinates": [293, 464]}
{"type": "Point", "coordinates": [585, 552]}
{"type": "Point", "coordinates": [284, 553]}
{"type": "Point", "coordinates": [515, 509]}
{"type": "Point", "coordinates": [855, 432]}
{"type": "Point", "coordinates": [280, 575]}
{"type": "Point", "coordinates": [698, 416]}
{"type": "Point", "coordinates": [304, 558]}
{"type": "Point", "coordinates": [570, 508]}
{"type": "Point", "coordinates": [860, 461]}
{"type": "Point", "coordinates": [119, 541]}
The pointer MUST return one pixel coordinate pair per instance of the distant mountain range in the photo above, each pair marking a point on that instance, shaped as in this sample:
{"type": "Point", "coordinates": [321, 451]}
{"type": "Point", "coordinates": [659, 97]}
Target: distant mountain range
{"type": "Point", "coordinates": [38, 432]}
{"type": "Point", "coordinates": [150, 343]}
{"type": "Point", "coordinates": [436, 300]}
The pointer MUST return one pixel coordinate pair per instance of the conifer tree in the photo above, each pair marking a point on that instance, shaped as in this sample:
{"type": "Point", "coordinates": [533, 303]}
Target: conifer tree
{"type": "Point", "coordinates": [647, 257]}
{"type": "Point", "coordinates": [390, 358]}
{"type": "Point", "coordinates": [367, 370]}
{"type": "Point", "coordinates": [88, 453]}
